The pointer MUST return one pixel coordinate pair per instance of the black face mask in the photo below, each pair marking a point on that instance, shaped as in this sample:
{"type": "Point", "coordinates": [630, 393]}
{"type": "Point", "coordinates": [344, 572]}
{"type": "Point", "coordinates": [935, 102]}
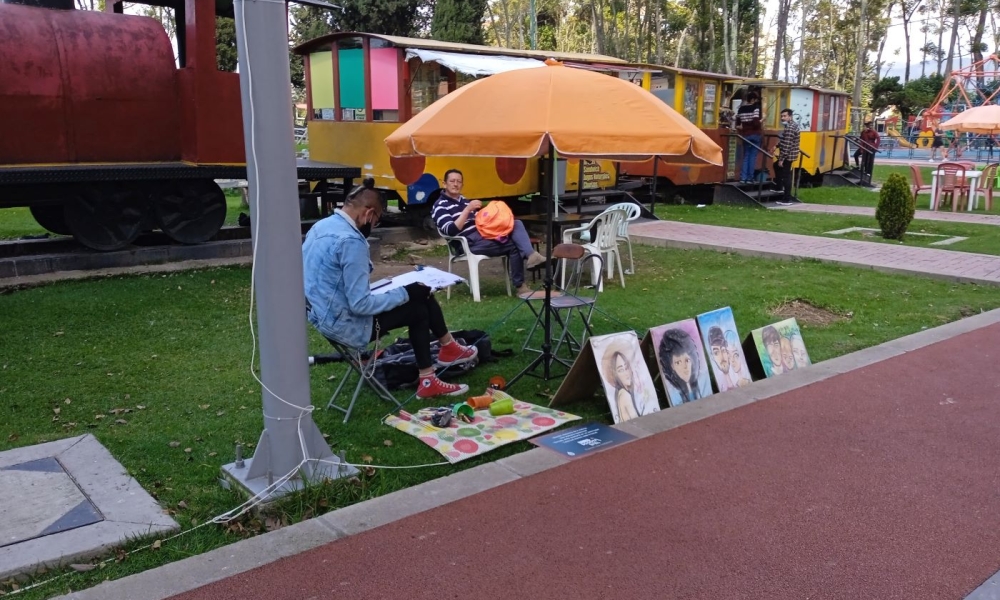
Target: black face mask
{"type": "Point", "coordinates": [366, 230]}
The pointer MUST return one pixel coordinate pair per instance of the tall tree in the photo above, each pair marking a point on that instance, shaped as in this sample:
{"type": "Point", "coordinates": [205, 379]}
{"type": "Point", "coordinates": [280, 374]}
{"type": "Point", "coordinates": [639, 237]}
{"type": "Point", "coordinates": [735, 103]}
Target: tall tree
{"type": "Point", "coordinates": [226, 58]}
{"type": "Point", "coordinates": [458, 21]}
{"type": "Point", "coordinates": [956, 18]}
{"type": "Point", "coordinates": [784, 7]}
{"type": "Point", "coordinates": [907, 9]}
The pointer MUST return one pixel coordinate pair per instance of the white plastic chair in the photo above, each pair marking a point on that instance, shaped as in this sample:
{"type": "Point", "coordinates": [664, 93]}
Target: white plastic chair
{"type": "Point", "coordinates": [473, 260]}
{"type": "Point", "coordinates": [632, 212]}
{"type": "Point", "coordinates": [604, 242]}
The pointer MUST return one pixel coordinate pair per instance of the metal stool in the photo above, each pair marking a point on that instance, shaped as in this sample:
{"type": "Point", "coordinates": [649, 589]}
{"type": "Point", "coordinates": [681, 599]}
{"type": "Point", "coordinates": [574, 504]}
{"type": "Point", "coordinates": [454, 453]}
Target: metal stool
{"type": "Point", "coordinates": [366, 375]}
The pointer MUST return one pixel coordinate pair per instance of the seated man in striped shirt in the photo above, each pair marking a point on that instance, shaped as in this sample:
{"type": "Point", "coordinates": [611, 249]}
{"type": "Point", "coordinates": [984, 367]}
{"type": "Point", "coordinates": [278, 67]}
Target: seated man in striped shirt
{"type": "Point", "coordinates": [455, 215]}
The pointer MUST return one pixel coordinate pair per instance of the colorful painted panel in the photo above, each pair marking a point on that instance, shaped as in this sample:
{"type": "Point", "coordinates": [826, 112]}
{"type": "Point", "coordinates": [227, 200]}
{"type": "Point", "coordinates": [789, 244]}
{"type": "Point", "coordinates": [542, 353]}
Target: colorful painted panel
{"type": "Point", "coordinates": [461, 440]}
{"type": "Point", "coordinates": [691, 89]}
{"type": "Point", "coordinates": [321, 79]}
{"type": "Point", "coordinates": [385, 78]}
{"type": "Point", "coordinates": [681, 359]}
{"type": "Point", "coordinates": [626, 378]}
{"type": "Point", "coordinates": [721, 339]}
{"type": "Point", "coordinates": [352, 78]}
{"type": "Point", "coordinates": [780, 347]}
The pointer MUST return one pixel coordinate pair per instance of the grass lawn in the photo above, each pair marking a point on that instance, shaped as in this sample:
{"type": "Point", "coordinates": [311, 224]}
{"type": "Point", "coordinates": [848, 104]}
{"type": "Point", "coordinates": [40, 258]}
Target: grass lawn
{"type": "Point", "coordinates": [18, 222]}
{"type": "Point", "coordinates": [982, 238]}
{"type": "Point", "coordinates": [144, 361]}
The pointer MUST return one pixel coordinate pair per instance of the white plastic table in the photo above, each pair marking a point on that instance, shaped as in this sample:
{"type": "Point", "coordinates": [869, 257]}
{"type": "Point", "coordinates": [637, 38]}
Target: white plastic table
{"type": "Point", "coordinates": [971, 178]}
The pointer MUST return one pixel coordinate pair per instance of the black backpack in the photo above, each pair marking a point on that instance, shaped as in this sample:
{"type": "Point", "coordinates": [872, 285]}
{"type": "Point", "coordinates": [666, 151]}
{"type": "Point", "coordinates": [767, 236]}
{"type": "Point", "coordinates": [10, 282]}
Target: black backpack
{"type": "Point", "coordinates": [397, 365]}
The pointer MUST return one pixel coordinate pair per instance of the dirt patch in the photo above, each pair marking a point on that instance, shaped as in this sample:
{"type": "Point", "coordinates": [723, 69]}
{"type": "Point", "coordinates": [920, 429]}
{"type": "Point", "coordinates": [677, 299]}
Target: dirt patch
{"type": "Point", "coordinates": [807, 314]}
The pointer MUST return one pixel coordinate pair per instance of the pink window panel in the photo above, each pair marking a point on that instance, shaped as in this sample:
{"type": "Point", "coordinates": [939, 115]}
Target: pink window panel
{"type": "Point", "coordinates": [385, 78]}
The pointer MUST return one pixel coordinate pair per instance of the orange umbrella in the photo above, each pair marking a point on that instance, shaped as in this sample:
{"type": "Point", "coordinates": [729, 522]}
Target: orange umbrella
{"type": "Point", "coordinates": [581, 113]}
{"type": "Point", "coordinates": [978, 119]}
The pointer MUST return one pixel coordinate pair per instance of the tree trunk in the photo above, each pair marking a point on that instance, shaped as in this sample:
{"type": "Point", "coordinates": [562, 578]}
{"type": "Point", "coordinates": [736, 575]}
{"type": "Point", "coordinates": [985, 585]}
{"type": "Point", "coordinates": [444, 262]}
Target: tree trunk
{"type": "Point", "coordinates": [756, 44]}
{"type": "Point", "coordinates": [659, 34]}
{"type": "Point", "coordinates": [725, 37]}
{"type": "Point", "coordinates": [680, 45]}
{"type": "Point", "coordinates": [799, 77]}
{"type": "Point", "coordinates": [977, 40]}
{"type": "Point", "coordinates": [860, 58]}
{"type": "Point", "coordinates": [954, 36]}
{"type": "Point", "coordinates": [906, 36]}
{"type": "Point", "coordinates": [779, 43]}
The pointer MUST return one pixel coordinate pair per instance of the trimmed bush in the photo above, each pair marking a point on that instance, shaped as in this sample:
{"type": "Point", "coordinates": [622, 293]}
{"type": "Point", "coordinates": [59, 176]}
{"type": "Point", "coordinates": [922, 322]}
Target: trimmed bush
{"type": "Point", "coordinates": [896, 207]}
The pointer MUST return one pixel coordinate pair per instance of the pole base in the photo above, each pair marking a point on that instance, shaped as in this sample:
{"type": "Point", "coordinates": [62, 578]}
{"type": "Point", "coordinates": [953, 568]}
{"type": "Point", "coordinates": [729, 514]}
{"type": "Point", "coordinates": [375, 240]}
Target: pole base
{"type": "Point", "coordinates": [237, 476]}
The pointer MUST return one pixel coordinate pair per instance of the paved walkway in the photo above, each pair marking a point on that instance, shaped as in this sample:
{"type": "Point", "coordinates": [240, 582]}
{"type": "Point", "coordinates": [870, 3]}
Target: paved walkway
{"type": "Point", "coordinates": [878, 483]}
{"type": "Point", "coordinates": [924, 215]}
{"type": "Point", "coordinates": [941, 264]}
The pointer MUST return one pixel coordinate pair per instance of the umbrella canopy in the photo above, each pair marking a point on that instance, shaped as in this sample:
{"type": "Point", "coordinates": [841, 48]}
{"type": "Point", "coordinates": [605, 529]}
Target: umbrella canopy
{"type": "Point", "coordinates": [978, 119]}
{"type": "Point", "coordinates": [582, 114]}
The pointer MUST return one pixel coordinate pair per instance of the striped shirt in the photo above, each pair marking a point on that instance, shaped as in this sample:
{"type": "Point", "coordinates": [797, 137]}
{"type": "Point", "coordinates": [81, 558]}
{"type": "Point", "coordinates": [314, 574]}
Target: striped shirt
{"type": "Point", "coordinates": [447, 210]}
{"type": "Point", "coordinates": [748, 118]}
{"type": "Point", "coordinates": [788, 142]}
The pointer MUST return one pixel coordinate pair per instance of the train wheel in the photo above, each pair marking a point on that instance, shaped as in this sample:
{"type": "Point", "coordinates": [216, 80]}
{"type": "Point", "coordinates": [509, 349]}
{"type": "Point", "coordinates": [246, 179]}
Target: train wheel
{"type": "Point", "coordinates": [190, 212]}
{"type": "Point", "coordinates": [106, 217]}
{"type": "Point", "coordinates": [52, 217]}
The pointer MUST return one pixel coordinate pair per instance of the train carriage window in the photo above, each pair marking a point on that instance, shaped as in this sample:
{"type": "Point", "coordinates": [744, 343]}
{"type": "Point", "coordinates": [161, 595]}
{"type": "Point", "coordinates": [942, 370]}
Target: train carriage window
{"type": "Point", "coordinates": [385, 83]}
{"type": "Point", "coordinates": [351, 67]}
{"type": "Point", "coordinates": [708, 104]}
{"type": "Point", "coordinates": [691, 89]}
{"type": "Point", "coordinates": [321, 85]}
{"type": "Point", "coordinates": [663, 87]}
{"type": "Point", "coordinates": [425, 87]}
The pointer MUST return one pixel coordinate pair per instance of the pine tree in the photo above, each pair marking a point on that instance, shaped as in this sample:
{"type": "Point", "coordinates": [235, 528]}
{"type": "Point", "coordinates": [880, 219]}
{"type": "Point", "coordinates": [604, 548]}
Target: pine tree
{"type": "Point", "coordinates": [458, 21]}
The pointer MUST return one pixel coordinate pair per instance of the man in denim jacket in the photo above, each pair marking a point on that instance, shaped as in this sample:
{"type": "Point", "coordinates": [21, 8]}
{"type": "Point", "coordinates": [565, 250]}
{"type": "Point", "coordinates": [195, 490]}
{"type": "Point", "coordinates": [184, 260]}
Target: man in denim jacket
{"type": "Point", "coordinates": [341, 306]}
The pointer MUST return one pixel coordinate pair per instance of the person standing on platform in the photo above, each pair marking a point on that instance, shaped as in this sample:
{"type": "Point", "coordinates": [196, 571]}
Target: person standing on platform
{"type": "Point", "coordinates": [864, 156]}
{"type": "Point", "coordinates": [788, 148]}
{"type": "Point", "coordinates": [748, 125]}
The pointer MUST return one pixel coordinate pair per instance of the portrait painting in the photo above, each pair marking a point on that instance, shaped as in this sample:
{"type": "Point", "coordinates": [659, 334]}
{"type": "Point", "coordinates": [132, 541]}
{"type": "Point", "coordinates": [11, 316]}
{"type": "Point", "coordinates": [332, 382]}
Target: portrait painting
{"type": "Point", "coordinates": [780, 347]}
{"type": "Point", "coordinates": [725, 355]}
{"type": "Point", "coordinates": [681, 359]}
{"type": "Point", "coordinates": [626, 379]}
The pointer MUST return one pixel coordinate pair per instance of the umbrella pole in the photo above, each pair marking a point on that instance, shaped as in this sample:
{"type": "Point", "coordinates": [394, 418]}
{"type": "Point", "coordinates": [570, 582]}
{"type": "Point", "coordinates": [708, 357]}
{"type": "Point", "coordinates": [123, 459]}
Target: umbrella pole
{"type": "Point", "coordinates": [545, 357]}
{"type": "Point", "coordinates": [547, 344]}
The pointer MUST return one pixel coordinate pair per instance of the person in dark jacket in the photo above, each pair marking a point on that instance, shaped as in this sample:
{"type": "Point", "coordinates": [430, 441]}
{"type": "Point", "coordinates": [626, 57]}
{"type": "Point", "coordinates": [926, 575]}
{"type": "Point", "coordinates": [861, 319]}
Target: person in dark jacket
{"type": "Point", "coordinates": [748, 125]}
{"type": "Point", "coordinates": [866, 153]}
{"type": "Point", "coordinates": [788, 149]}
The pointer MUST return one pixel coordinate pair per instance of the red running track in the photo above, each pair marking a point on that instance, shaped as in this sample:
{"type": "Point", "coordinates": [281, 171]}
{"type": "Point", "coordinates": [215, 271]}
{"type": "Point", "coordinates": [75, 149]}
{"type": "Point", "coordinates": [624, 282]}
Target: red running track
{"type": "Point", "coordinates": [880, 483]}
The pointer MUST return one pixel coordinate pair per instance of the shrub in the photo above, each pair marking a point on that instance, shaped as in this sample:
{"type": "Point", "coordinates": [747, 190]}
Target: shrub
{"type": "Point", "coordinates": [896, 207]}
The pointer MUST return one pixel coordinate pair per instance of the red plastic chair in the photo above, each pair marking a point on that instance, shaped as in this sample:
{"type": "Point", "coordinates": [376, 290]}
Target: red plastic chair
{"type": "Point", "coordinates": [918, 182]}
{"type": "Point", "coordinates": [950, 181]}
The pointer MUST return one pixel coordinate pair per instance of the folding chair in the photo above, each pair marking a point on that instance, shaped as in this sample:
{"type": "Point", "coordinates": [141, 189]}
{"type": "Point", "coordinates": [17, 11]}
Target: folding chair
{"type": "Point", "coordinates": [567, 299]}
{"type": "Point", "coordinates": [365, 369]}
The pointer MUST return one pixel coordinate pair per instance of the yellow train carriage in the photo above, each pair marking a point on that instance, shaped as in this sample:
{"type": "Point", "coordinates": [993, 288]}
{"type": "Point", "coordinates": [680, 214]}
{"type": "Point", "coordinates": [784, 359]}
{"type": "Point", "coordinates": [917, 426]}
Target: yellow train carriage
{"type": "Point", "coordinates": [699, 97]}
{"type": "Point", "coordinates": [360, 87]}
{"type": "Point", "coordinates": [823, 116]}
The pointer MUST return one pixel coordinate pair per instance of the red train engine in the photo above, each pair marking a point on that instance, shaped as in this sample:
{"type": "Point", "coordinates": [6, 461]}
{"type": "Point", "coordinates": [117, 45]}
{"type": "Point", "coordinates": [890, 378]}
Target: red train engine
{"type": "Point", "coordinates": [105, 136]}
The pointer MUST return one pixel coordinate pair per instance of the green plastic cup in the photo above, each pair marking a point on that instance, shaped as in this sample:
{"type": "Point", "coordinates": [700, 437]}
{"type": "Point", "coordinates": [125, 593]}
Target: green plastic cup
{"type": "Point", "coordinates": [502, 407]}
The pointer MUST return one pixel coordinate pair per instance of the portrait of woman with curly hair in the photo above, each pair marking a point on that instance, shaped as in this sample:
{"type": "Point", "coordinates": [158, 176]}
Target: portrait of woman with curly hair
{"type": "Point", "coordinates": [681, 359]}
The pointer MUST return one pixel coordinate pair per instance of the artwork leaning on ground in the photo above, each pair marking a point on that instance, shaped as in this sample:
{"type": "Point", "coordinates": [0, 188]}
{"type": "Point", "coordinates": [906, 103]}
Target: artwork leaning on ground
{"type": "Point", "coordinates": [681, 359]}
{"type": "Point", "coordinates": [780, 347]}
{"type": "Point", "coordinates": [721, 339]}
{"type": "Point", "coordinates": [627, 382]}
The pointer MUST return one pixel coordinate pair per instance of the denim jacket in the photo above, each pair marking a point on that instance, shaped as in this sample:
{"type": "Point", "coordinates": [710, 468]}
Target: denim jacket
{"type": "Point", "coordinates": [337, 266]}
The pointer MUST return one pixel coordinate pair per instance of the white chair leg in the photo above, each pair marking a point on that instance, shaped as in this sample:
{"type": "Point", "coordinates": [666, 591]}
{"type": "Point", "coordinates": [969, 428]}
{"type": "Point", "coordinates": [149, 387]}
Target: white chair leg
{"type": "Point", "coordinates": [618, 260]}
{"type": "Point", "coordinates": [448, 289]}
{"type": "Point", "coordinates": [631, 261]}
{"type": "Point", "coordinates": [474, 278]}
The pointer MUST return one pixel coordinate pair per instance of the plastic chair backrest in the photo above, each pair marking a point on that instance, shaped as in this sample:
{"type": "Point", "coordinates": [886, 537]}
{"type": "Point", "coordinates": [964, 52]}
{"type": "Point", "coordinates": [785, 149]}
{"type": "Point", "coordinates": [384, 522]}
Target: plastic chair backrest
{"type": "Point", "coordinates": [918, 178]}
{"type": "Point", "coordinates": [950, 175]}
{"type": "Point", "coordinates": [632, 212]}
{"type": "Point", "coordinates": [968, 164]}
{"type": "Point", "coordinates": [988, 178]}
{"type": "Point", "coordinates": [608, 224]}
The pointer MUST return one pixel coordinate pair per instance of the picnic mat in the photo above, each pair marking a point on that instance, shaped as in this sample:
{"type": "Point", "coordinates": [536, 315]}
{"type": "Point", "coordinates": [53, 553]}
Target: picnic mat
{"type": "Point", "coordinates": [461, 440]}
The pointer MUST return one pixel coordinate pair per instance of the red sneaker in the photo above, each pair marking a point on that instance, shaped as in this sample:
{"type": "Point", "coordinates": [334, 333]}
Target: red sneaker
{"type": "Point", "coordinates": [431, 386]}
{"type": "Point", "coordinates": [456, 354]}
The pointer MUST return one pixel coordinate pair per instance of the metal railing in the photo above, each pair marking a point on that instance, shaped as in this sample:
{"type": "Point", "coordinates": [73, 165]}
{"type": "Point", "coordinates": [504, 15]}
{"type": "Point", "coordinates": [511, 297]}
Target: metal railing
{"type": "Point", "coordinates": [866, 175]}
{"type": "Point", "coordinates": [760, 184]}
